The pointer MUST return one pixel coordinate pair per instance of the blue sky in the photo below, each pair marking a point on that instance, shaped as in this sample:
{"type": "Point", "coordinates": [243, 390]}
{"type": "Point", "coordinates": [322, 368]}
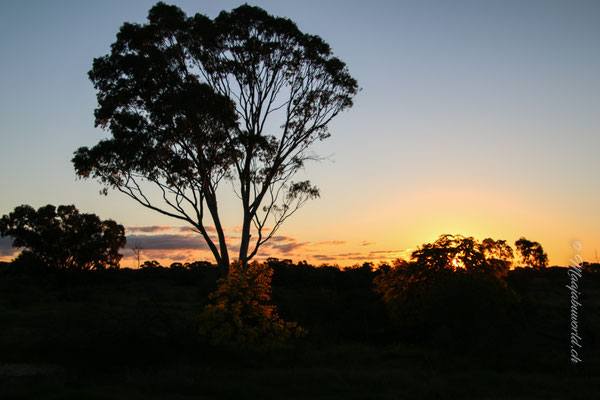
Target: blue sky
{"type": "Point", "coordinates": [475, 117]}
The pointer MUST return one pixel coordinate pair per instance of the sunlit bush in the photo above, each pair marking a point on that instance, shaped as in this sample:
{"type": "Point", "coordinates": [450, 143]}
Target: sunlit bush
{"type": "Point", "coordinates": [241, 315]}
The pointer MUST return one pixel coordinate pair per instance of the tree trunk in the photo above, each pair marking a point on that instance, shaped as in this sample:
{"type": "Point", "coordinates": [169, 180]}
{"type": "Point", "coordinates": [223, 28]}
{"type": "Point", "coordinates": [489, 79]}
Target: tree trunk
{"type": "Point", "coordinates": [245, 242]}
{"type": "Point", "coordinates": [223, 267]}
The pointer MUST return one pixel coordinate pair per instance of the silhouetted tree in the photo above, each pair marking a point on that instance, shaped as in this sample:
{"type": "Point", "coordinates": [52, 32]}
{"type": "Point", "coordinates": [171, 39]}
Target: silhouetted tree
{"type": "Point", "coordinates": [532, 254]}
{"type": "Point", "coordinates": [452, 252]}
{"type": "Point", "coordinates": [199, 265]}
{"type": "Point", "coordinates": [191, 102]}
{"type": "Point", "coordinates": [498, 254]}
{"type": "Point", "coordinates": [449, 253]}
{"type": "Point", "coordinates": [449, 287]}
{"type": "Point", "coordinates": [176, 266]}
{"type": "Point", "coordinates": [137, 252]}
{"type": "Point", "coordinates": [591, 267]}
{"type": "Point", "coordinates": [64, 238]}
{"type": "Point", "coordinates": [151, 265]}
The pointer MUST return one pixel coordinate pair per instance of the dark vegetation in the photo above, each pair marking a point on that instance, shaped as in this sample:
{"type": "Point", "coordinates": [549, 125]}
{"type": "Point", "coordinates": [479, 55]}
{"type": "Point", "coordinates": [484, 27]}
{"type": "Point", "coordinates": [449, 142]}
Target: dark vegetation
{"type": "Point", "coordinates": [63, 238]}
{"type": "Point", "coordinates": [135, 334]}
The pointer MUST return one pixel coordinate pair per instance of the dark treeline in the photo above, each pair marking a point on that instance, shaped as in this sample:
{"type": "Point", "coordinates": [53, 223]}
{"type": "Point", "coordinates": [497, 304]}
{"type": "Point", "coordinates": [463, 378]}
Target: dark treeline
{"type": "Point", "coordinates": [151, 314]}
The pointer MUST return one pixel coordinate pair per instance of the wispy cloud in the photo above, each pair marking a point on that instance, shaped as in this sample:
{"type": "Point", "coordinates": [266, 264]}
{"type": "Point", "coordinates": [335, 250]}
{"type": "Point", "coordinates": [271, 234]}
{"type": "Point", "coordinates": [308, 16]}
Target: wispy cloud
{"type": "Point", "coordinates": [344, 255]}
{"type": "Point", "coordinates": [210, 229]}
{"type": "Point", "coordinates": [165, 228]}
{"type": "Point", "coordinates": [149, 229]}
{"type": "Point", "coordinates": [282, 239]}
{"type": "Point", "coordinates": [167, 242]}
{"type": "Point", "coordinates": [387, 254]}
{"type": "Point", "coordinates": [166, 256]}
{"type": "Point", "coordinates": [288, 247]}
{"type": "Point", "coordinates": [330, 243]}
{"type": "Point", "coordinates": [364, 243]}
{"type": "Point", "coordinates": [324, 257]}
{"type": "Point", "coordinates": [284, 244]}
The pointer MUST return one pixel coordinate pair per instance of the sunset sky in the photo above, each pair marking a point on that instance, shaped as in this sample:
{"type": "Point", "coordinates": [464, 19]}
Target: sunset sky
{"type": "Point", "coordinates": [478, 118]}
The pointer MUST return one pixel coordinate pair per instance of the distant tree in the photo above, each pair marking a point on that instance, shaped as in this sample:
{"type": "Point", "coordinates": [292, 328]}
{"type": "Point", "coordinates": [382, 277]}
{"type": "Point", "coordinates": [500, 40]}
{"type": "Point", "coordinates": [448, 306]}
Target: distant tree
{"type": "Point", "coordinates": [499, 255]}
{"type": "Point", "coordinates": [176, 266]}
{"type": "Point", "coordinates": [591, 267]}
{"type": "Point", "coordinates": [449, 287]}
{"type": "Point", "coordinates": [532, 254]}
{"type": "Point", "coordinates": [497, 249]}
{"type": "Point", "coordinates": [64, 238]}
{"type": "Point", "coordinates": [383, 267]}
{"type": "Point", "coordinates": [199, 265]}
{"type": "Point", "coordinates": [151, 265]}
{"type": "Point", "coordinates": [456, 252]}
{"type": "Point", "coordinates": [137, 252]}
{"type": "Point", "coordinates": [448, 253]}
{"type": "Point", "coordinates": [192, 102]}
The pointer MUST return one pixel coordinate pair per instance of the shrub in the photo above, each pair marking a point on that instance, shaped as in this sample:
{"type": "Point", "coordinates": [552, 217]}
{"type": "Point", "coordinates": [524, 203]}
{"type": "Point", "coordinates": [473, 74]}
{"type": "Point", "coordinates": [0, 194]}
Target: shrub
{"type": "Point", "coordinates": [241, 314]}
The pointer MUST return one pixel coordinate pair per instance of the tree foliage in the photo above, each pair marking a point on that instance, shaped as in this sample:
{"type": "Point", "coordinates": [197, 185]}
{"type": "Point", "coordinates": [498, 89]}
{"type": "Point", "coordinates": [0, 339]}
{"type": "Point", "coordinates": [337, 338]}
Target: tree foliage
{"type": "Point", "coordinates": [451, 283]}
{"type": "Point", "coordinates": [63, 238]}
{"type": "Point", "coordinates": [532, 254]}
{"type": "Point", "coordinates": [455, 252]}
{"type": "Point", "coordinates": [192, 102]}
{"type": "Point", "coordinates": [242, 313]}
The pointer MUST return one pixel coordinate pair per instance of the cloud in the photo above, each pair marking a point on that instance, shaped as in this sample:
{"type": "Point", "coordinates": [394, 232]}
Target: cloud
{"type": "Point", "coordinates": [324, 257]}
{"type": "Point", "coordinates": [362, 258]}
{"type": "Point", "coordinates": [288, 247]}
{"type": "Point", "coordinates": [364, 243]}
{"type": "Point", "coordinates": [330, 242]}
{"type": "Point", "coordinates": [149, 229]}
{"type": "Point", "coordinates": [387, 254]}
{"type": "Point", "coordinates": [386, 251]}
{"type": "Point", "coordinates": [164, 228]}
{"type": "Point", "coordinates": [284, 244]}
{"type": "Point", "coordinates": [165, 257]}
{"type": "Point", "coordinates": [282, 239]}
{"type": "Point", "coordinates": [178, 257]}
{"type": "Point", "coordinates": [210, 229]}
{"type": "Point", "coordinates": [238, 228]}
{"type": "Point", "coordinates": [167, 242]}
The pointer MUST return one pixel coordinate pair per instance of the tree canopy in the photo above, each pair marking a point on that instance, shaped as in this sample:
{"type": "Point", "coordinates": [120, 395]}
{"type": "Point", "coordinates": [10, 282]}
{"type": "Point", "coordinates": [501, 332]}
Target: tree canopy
{"type": "Point", "coordinates": [63, 238]}
{"type": "Point", "coordinates": [452, 283]}
{"type": "Point", "coordinates": [456, 252]}
{"type": "Point", "coordinates": [192, 102]}
{"type": "Point", "coordinates": [532, 254]}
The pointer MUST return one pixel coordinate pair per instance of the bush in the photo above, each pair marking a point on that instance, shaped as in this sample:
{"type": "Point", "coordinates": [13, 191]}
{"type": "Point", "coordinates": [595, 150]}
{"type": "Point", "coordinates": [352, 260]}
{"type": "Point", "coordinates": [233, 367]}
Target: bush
{"type": "Point", "coordinates": [241, 315]}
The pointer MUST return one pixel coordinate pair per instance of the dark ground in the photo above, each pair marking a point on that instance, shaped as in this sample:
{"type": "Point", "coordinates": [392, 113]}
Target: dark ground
{"type": "Point", "coordinates": [126, 334]}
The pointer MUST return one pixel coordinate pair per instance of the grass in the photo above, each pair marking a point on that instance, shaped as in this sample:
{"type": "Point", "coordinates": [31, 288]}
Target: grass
{"type": "Point", "coordinates": [408, 377]}
{"type": "Point", "coordinates": [126, 335]}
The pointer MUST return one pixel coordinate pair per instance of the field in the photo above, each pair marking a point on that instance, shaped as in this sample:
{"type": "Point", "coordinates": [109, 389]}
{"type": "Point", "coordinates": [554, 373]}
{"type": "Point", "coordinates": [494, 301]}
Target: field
{"type": "Point", "coordinates": [126, 334]}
